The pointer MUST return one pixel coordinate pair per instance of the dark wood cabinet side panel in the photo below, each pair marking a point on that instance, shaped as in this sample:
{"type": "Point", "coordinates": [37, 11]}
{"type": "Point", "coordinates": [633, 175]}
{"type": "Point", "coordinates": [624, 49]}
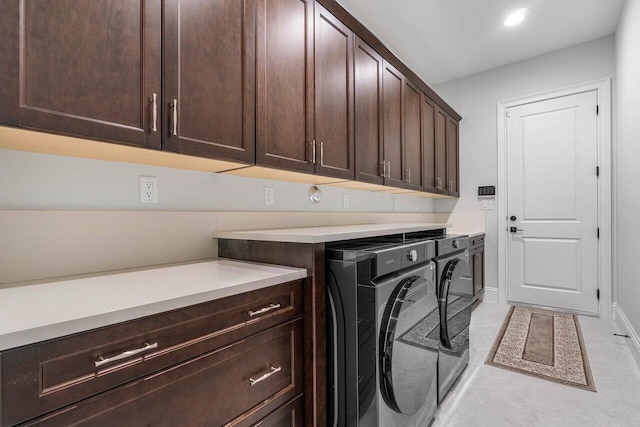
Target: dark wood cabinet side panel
{"type": "Point", "coordinates": [89, 69]}
{"type": "Point", "coordinates": [210, 71]}
{"type": "Point", "coordinates": [392, 103]}
{"type": "Point", "coordinates": [333, 96]}
{"type": "Point", "coordinates": [10, 62]}
{"type": "Point", "coordinates": [412, 137]}
{"type": "Point", "coordinates": [429, 144]}
{"type": "Point", "coordinates": [310, 257]}
{"type": "Point", "coordinates": [368, 113]}
{"type": "Point", "coordinates": [284, 84]}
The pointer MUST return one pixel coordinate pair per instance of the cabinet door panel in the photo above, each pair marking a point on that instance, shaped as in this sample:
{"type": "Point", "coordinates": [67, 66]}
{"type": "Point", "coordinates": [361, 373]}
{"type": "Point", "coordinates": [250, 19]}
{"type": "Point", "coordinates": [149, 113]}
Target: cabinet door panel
{"type": "Point", "coordinates": [368, 113]}
{"type": "Point", "coordinates": [210, 71]}
{"type": "Point", "coordinates": [441, 151]}
{"type": "Point", "coordinates": [333, 96]}
{"type": "Point", "coordinates": [429, 144]}
{"type": "Point", "coordinates": [392, 85]}
{"type": "Point", "coordinates": [87, 68]}
{"type": "Point", "coordinates": [452, 157]}
{"type": "Point", "coordinates": [412, 137]}
{"type": "Point", "coordinates": [285, 84]}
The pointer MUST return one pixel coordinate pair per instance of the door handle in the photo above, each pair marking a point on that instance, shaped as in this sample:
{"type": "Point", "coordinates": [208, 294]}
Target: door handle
{"type": "Point", "coordinates": [515, 229]}
{"type": "Point", "coordinates": [154, 112]}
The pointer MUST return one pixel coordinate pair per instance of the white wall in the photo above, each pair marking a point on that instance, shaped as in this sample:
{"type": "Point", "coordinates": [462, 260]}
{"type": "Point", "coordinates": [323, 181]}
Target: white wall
{"type": "Point", "coordinates": [475, 98]}
{"type": "Point", "coordinates": [627, 160]}
{"type": "Point", "coordinates": [62, 216]}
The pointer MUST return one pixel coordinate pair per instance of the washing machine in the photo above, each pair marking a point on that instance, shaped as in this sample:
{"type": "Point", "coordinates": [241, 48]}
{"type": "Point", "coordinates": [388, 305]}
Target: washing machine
{"type": "Point", "coordinates": [382, 307]}
{"type": "Point", "coordinates": [455, 303]}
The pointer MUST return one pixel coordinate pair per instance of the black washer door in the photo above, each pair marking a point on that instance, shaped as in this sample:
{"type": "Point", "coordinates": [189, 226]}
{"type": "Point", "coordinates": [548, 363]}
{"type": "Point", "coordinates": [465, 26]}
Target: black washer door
{"type": "Point", "coordinates": [455, 293]}
{"type": "Point", "coordinates": [406, 371]}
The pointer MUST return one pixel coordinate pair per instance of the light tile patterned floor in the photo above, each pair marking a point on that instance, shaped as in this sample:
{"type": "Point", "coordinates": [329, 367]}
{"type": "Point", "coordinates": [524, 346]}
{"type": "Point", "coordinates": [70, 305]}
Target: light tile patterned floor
{"type": "Point", "coordinates": [490, 396]}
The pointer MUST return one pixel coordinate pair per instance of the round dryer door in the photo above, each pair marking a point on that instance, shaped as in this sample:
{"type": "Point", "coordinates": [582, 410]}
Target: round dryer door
{"type": "Point", "coordinates": [455, 299]}
{"type": "Point", "coordinates": [408, 368]}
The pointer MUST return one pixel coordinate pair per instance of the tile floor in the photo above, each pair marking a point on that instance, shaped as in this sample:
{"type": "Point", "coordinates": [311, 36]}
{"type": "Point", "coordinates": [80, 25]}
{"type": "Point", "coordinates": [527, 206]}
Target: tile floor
{"type": "Point", "coordinates": [490, 396]}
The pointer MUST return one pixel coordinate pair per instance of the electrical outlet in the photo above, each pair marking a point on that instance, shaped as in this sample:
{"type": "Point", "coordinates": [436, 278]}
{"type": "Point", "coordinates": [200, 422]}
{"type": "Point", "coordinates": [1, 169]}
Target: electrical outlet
{"type": "Point", "coordinates": [395, 204]}
{"type": "Point", "coordinates": [148, 189]}
{"type": "Point", "coordinates": [268, 196]}
{"type": "Point", "coordinates": [345, 201]}
{"type": "Point", "coordinates": [487, 205]}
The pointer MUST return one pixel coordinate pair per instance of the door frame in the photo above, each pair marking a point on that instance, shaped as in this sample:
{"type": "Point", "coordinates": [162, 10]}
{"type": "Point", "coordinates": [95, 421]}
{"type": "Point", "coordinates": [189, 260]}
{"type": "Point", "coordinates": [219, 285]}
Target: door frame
{"type": "Point", "coordinates": [602, 88]}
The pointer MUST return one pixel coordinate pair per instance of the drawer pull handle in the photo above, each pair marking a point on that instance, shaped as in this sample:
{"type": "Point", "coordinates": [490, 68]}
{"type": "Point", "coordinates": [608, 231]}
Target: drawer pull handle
{"type": "Point", "coordinates": [263, 310]}
{"type": "Point", "coordinates": [265, 376]}
{"type": "Point", "coordinates": [101, 360]}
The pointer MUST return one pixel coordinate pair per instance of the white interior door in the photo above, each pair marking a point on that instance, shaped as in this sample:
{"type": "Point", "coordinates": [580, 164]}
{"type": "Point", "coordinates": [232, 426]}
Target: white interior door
{"type": "Point", "coordinates": [552, 203]}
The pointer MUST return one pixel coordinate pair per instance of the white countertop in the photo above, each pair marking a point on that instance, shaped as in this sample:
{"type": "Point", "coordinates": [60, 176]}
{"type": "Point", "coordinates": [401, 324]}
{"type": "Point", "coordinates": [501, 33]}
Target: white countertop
{"type": "Point", "coordinates": [37, 312]}
{"type": "Point", "coordinates": [468, 232]}
{"type": "Point", "coordinates": [327, 234]}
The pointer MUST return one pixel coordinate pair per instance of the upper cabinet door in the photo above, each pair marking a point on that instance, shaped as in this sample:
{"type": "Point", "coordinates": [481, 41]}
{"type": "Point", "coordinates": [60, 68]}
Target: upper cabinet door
{"type": "Point", "coordinates": [333, 96]}
{"type": "Point", "coordinates": [412, 137]}
{"type": "Point", "coordinates": [83, 68]}
{"type": "Point", "coordinates": [392, 89]}
{"type": "Point", "coordinates": [429, 144]}
{"type": "Point", "coordinates": [285, 84]}
{"type": "Point", "coordinates": [441, 151]}
{"type": "Point", "coordinates": [452, 157]}
{"type": "Point", "coordinates": [368, 114]}
{"type": "Point", "coordinates": [209, 59]}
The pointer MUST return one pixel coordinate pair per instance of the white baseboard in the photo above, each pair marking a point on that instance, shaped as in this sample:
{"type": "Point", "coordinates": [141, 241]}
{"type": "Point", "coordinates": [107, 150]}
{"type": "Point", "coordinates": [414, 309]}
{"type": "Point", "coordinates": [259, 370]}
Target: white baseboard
{"type": "Point", "coordinates": [625, 326]}
{"type": "Point", "coordinates": [491, 295]}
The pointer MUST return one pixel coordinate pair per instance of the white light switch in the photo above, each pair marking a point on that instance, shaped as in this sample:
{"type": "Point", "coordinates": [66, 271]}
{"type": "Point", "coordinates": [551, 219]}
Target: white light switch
{"type": "Point", "coordinates": [487, 205]}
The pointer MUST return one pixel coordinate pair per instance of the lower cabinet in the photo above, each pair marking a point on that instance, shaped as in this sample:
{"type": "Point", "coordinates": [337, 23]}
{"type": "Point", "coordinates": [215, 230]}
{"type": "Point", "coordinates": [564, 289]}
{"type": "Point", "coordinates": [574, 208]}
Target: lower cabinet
{"type": "Point", "coordinates": [245, 367]}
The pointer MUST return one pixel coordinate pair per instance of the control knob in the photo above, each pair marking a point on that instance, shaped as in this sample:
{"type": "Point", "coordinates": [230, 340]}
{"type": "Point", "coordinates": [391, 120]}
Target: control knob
{"type": "Point", "coordinates": [412, 255]}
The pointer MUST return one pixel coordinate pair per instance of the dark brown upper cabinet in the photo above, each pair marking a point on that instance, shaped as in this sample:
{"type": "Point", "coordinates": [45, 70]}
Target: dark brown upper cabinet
{"type": "Point", "coordinates": [452, 157]}
{"type": "Point", "coordinates": [392, 106]}
{"type": "Point", "coordinates": [429, 144]}
{"type": "Point", "coordinates": [88, 69]}
{"type": "Point", "coordinates": [209, 78]}
{"type": "Point", "coordinates": [368, 114]}
{"type": "Point", "coordinates": [441, 151]}
{"type": "Point", "coordinates": [413, 147]}
{"type": "Point", "coordinates": [333, 96]}
{"type": "Point", "coordinates": [304, 89]}
{"type": "Point", "coordinates": [285, 84]}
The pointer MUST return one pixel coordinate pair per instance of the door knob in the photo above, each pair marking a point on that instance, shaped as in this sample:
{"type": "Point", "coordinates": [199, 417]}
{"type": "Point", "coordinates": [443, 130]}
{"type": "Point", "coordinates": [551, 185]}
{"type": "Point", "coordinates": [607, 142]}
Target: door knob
{"type": "Point", "coordinates": [513, 218]}
{"type": "Point", "coordinates": [515, 229]}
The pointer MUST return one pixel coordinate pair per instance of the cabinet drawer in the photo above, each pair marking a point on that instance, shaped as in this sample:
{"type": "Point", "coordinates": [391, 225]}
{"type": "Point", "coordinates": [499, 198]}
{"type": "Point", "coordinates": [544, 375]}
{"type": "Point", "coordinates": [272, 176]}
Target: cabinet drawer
{"type": "Point", "coordinates": [213, 389]}
{"type": "Point", "coordinates": [289, 415]}
{"type": "Point", "coordinates": [47, 376]}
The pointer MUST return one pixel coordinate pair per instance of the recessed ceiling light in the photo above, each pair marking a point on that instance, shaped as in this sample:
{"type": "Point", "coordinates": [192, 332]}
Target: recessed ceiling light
{"type": "Point", "coordinates": [516, 17]}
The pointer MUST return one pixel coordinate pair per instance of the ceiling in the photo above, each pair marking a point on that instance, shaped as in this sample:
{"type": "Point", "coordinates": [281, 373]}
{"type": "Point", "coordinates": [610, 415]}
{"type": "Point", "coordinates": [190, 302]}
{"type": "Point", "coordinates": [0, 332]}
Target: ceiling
{"type": "Point", "coordinates": [442, 40]}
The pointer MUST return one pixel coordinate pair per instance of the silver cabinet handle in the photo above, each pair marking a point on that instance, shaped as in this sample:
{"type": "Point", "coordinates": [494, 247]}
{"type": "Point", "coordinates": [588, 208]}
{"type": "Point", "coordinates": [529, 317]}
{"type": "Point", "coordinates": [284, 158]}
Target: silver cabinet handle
{"type": "Point", "coordinates": [265, 376]}
{"type": "Point", "coordinates": [174, 117]}
{"type": "Point", "coordinates": [450, 185]}
{"type": "Point", "coordinates": [408, 175]}
{"type": "Point", "coordinates": [321, 153]}
{"type": "Point", "coordinates": [384, 169]}
{"type": "Point", "coordinates": [101, 360]}
{"type": "Point", "coordinates": [154, 112]}
{"type": "Point", "coordinates": [313, 151]}
{"type": "Point", "coordinates": [263, 310]}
